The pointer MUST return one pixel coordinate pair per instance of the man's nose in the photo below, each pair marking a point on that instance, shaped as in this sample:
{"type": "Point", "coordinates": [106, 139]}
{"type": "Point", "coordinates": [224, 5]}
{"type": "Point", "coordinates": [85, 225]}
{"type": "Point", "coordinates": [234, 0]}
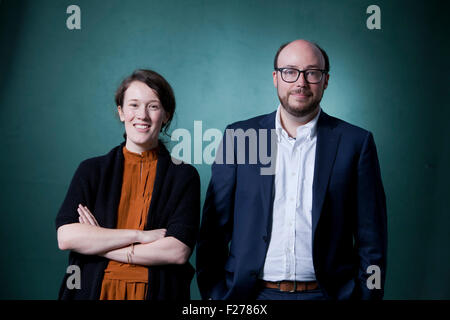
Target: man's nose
{"type": "Point", "coordinates": [301, 81]}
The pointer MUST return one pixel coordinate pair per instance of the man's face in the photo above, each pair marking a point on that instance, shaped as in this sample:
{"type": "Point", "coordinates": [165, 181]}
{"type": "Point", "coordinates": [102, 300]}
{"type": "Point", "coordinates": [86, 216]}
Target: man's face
{"type": "Point", "coordinates": [300, 98]}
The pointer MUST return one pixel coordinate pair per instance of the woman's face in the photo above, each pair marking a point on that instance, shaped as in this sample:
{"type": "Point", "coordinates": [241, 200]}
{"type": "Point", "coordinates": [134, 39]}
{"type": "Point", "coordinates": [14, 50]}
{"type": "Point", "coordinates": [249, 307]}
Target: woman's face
{"type": "Point", "coordinates": [143, 116]}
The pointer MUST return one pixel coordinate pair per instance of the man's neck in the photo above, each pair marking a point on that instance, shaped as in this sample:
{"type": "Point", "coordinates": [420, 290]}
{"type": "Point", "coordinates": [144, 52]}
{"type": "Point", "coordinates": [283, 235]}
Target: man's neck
{"type": "Point", "coordinates": [290, 123]}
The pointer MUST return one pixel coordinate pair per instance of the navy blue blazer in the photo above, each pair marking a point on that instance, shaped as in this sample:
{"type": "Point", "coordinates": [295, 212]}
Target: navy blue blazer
{"type": "Point", "coordinates": [349, 224]}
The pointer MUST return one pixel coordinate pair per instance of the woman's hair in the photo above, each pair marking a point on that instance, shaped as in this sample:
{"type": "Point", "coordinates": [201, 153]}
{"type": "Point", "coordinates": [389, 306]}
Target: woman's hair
{"type": "Point", "coordinates": [156, 82]}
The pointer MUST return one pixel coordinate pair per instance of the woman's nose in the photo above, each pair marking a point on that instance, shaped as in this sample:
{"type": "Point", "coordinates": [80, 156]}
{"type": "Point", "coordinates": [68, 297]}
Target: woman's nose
{"type": "Point", "coordinates": [141, 113]}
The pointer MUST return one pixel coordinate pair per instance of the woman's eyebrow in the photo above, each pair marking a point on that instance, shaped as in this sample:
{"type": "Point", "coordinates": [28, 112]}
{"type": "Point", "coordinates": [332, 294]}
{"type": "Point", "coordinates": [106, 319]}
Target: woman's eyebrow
{"type": "Point", "coordinates": [153, 100]}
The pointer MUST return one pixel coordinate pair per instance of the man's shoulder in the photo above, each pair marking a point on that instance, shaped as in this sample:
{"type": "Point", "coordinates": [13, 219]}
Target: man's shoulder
{"type": "Point", "coordinates": [260, 121]}
{"type": "Point", "coordinates": [346, 128]}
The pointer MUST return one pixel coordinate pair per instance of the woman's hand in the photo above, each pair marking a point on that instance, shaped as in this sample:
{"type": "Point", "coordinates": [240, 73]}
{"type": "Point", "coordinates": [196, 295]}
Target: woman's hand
{"type": "Point", "coordinates": [147, 236]}
{"type": "Point", "coordinates": [86, 217]}
{"type": "Point", "coordinates": [151, 235]}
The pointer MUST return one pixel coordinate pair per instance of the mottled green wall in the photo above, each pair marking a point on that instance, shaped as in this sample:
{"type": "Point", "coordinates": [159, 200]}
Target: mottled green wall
{"type": "Point", "coordinates": [57, 108]}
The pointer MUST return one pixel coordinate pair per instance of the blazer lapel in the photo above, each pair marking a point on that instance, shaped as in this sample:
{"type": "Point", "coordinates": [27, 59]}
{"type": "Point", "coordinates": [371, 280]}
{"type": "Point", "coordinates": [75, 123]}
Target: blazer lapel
{"type": "Point", "coordinates": [267, 180]}
{"type": "Point", "coordinates": [326, 148]}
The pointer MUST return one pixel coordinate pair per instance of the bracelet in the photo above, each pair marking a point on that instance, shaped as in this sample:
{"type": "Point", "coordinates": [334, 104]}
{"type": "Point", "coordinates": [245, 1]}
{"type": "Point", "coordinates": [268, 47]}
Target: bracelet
{"type": "Point", "coordinates": [130, 254]}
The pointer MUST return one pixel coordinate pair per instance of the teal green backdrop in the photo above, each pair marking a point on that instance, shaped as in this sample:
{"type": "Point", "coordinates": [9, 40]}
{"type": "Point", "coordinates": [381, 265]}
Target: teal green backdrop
{"type": "Point", "coordinates": [57, 108]}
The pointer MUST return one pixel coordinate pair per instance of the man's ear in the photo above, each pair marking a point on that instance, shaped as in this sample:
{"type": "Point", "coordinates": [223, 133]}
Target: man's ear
{"type": "Point", "coordinates": [325, 84]}
{"type": "Point", "coordinates": [275, 81]}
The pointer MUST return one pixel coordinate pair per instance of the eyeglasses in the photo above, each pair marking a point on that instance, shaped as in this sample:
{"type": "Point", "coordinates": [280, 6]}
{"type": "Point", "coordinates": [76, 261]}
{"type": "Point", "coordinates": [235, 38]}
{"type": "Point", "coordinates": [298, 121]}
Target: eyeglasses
{"type": "Point", "coordinates": [311, 75]}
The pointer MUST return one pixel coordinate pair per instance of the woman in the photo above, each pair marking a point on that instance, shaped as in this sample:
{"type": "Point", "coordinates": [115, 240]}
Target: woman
{"type": "Point", "coordinates": [130, 218]}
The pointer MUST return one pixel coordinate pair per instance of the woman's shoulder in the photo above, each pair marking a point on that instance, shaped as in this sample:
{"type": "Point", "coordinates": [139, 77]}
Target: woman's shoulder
{"type": "Point", "coordinates": [175, 165]}
{"type": "Point", "coordinates": [96, 163]}
{"type": "Point", "coordinates": [183, 168]}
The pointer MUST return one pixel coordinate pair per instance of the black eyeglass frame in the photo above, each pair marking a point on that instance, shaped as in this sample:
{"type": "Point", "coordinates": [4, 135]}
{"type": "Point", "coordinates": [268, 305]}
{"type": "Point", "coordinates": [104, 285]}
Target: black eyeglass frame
{"type": "Point", "coordinates": [304, 74]}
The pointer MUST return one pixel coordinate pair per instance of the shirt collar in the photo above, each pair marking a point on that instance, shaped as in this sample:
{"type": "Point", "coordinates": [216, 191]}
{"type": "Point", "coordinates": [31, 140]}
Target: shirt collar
{"type": "Point", "coordinates": [310, 128]}
{"type": "Point", "coordinates": [145, 156]}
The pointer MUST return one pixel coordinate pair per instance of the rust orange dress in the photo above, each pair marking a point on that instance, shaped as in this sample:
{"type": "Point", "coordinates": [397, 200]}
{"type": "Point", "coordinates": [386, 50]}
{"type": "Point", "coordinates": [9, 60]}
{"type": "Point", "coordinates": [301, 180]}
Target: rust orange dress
{"type": "Point", "coordinates": [123, 281]}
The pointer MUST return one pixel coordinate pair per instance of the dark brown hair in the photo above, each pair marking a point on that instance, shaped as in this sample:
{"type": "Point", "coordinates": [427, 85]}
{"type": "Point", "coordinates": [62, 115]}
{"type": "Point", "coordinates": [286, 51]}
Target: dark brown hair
{"type": "Point", "coordinates": [156, 82]}
{"type": "Point", "coordinates": [324, 54]}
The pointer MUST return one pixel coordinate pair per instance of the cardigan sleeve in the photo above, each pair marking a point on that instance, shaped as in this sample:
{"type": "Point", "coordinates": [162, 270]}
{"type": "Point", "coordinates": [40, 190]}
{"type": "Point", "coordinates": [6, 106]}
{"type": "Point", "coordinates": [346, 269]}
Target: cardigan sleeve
{"type": "Point", "coordinates": [184, 222]}
{"type": "Point", "coordinates": [78, 193]}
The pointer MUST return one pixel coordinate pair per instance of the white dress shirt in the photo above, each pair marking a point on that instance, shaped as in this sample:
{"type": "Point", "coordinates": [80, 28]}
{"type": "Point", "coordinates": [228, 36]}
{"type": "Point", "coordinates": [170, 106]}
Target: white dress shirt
{"type": "Point", "coordinates": [289, 256]}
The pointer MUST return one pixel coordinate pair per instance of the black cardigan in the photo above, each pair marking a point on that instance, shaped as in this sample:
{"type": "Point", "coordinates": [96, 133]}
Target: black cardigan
{"type": "Point", "coordinates": [175, 205]}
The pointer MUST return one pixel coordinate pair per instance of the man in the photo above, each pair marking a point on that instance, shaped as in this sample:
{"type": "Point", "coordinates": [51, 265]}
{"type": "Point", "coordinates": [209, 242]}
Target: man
{"type": "Point", "coordinates": [316, 228]}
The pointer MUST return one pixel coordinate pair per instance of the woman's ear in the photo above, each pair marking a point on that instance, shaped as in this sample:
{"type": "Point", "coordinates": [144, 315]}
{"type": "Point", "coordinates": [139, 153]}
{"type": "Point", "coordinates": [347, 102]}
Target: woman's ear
{"type": "Point", "coordinates": [166, 118]}
{"type": "Point", "coordinates": [164, 122]}
{"type": "Point", "coordinates": [121, 115]}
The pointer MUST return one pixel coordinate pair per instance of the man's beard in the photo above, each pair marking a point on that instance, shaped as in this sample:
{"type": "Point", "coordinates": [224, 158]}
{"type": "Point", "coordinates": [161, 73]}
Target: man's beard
{"type": "Point", "coordinates": [297, 112]}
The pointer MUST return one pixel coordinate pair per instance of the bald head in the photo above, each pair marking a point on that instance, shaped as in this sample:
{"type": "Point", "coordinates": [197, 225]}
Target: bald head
{"type": "Point", "coordinates": [299, 97]}
{"type": "Point", "coordinates": [302, 48]}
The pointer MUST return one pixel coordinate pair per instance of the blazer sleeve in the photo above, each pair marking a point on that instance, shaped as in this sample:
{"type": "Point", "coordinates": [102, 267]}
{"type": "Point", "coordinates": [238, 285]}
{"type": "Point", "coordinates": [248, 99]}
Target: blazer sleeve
{"type": "Point", "coordinates": [78, 193]}
{"type": "Point", "coordinates": [217, 223]}
{"type": "Point", "coordinates": [371, 222]}
{"type": "Point", "coordinates": [183, 223]}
